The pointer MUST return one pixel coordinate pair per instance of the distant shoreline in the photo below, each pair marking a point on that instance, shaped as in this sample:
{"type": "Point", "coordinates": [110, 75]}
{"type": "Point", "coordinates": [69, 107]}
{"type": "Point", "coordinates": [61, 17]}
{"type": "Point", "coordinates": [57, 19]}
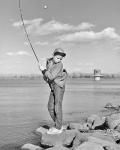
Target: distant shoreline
{"type": "Point", "coordinates": [70, 75]}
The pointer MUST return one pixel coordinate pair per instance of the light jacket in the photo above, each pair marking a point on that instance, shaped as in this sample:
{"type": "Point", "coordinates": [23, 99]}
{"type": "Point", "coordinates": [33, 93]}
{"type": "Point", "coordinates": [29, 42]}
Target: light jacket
{"type": "Point", "coordinates": [54, 73]}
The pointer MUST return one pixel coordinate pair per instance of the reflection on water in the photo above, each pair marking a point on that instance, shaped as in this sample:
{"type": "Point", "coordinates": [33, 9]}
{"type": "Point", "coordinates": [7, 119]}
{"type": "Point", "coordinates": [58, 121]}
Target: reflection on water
{"type": "Point", "coordinates": [23, 104]}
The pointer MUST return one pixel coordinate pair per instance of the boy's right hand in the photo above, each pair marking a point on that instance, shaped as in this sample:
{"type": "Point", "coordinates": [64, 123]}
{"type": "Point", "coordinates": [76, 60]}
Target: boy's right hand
{"type": "Point", "coordinates": [42, 63]}
{"type": "Point", "coordinates": [41, 67]}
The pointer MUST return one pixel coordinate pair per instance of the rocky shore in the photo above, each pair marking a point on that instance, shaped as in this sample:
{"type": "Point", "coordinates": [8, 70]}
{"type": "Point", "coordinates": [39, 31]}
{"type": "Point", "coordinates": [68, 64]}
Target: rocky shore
{"type": "Point", "coordinates": [96, 132]}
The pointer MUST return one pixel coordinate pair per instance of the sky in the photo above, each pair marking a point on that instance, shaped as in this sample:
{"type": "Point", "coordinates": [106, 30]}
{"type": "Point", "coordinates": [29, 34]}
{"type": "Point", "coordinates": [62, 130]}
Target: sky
{"type": "Point", "coordinates": [87, 30]}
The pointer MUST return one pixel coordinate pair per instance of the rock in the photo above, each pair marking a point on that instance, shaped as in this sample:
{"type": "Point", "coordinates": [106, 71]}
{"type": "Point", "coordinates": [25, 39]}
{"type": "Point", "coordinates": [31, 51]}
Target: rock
{"type": "Point", "coordinates": [75, 126]}
{"type": "Point", "coordinates": [41, 130]}
{"type": "Point", "coordinates": [65, 138]}
{"type": "Point", "coordinates": [116, 135]}
{"type": "Point", "coordinates": [84, 137]}
{"type": "Point", "coordinates": [29, 146]}
{"type": "Point", "coordinates": [79, 139]}
{"type": "Point", "coordinates": [115, 116]}
{"type": "Point", "coordinates": [103, 135]}
{"type": "Point", "coordinates": [95, 120]}
{"type": "Point", "coordinates": [65, 127]}
{"type": "Point", "coordinates": [118, 128]}
{"type": "Point", "coordinates": [113, 123]}
{"type": "Point", "coordinates": [108, 105]}
{"type": "Point", "coordinates": [92, 118]}
{"type": "Point", "coordinates": [109, 148]}
{"type": "Point", "coordinates": [58, 147]}
{"type": "Point", "coordinates": [80, 127]}
{"type": "Point", "coordinates": [89, 146]}
{"type": "Point", "coordinates": [103, 143]}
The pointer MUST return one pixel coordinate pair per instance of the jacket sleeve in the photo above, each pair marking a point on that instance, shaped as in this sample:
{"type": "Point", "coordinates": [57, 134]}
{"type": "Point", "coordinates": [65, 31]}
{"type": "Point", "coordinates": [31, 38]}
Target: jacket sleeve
{"type": "Point", "coordinates": [54, 71]}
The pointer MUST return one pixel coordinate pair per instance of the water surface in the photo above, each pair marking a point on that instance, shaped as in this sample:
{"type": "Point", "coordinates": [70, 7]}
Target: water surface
{"type": "Point", "coordinates": [23, 104]}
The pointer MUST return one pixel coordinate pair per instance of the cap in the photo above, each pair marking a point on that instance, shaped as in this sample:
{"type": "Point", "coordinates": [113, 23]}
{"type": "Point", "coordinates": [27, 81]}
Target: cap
{"type": "Point", "coordinates": [59, 51]}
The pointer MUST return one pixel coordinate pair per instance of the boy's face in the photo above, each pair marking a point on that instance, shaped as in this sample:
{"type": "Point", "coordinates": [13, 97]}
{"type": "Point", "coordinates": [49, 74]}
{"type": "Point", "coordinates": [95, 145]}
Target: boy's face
{"type": "Point", "coordinates": [57, 58]}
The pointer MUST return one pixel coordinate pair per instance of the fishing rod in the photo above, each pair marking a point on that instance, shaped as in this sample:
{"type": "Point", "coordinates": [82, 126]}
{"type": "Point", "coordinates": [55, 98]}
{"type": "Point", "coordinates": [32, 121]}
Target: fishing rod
{"type": "Point", "coordinates": [21, 15]}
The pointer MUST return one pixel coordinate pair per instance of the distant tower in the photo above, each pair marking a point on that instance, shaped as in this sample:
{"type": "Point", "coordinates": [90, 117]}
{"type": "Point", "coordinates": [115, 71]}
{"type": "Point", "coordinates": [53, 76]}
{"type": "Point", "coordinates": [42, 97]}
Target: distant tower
{"type": "Point", "coordinates": [97, 74]}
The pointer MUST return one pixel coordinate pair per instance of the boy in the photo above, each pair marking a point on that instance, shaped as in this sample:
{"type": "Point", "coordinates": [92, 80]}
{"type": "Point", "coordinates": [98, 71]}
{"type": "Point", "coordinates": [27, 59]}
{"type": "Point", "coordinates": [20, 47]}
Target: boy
{"type": "Point", "coordinates": [55, 76]}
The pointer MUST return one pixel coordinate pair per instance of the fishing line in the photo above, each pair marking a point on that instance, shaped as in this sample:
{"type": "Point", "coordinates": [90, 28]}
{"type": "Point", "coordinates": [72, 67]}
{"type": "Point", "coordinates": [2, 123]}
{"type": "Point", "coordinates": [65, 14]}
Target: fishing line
{"type": "Point", "coordinates": [21, 15]}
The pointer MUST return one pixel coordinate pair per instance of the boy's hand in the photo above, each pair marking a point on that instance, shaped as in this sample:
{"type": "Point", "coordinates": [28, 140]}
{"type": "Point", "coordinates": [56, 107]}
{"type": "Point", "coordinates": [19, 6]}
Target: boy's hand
{"type": "Point", "coordinates": [42, 64]}
{"type": "Point", "coordinates": [41, 67]}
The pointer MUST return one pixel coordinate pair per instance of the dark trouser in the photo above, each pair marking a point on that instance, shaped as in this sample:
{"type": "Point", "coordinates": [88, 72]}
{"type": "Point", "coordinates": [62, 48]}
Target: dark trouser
{"type": "Point", "coordinates": [55, 104]}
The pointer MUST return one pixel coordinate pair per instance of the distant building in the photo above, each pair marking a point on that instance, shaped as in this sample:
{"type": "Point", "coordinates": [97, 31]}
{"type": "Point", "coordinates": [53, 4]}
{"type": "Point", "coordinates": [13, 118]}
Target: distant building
{"type": "Point", "coordinates": [97, 74]}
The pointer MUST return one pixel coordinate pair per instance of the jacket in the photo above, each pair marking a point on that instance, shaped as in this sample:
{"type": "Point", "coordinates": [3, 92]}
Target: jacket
{"type": "Point", "coordinates": [54, 73]}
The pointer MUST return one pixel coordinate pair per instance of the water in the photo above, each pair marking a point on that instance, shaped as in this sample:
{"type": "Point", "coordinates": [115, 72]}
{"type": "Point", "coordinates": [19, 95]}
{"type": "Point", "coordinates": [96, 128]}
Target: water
{"type": "Point", "coordinates": [23, 104]}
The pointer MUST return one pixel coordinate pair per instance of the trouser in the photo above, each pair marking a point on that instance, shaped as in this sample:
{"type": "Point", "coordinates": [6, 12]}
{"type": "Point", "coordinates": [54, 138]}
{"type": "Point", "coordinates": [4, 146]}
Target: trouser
{"type": "Point", "coordinates": [55, 104]}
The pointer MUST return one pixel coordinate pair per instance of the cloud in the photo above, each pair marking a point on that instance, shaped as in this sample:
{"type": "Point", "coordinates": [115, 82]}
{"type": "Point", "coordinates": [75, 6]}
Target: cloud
{"type": "Point", "coordinates": [85, 26]}
{"type": "Point", "coordinates": [41, 43]}
{"type": "Point", "coordinates": [69, 33]}
{"type": "Point", "coordinates": [83, 67]}
{"type": "Point", "coordinates": [88, 36]}
{"type": "Point", "coordinates": [37, 27]}
{"type": "Point", "coordinates": [20, 53]}
{"type": "Point", "coordinates": [1, 62]}
{"type": "Point", "coordinates": [79, 64]}
{"type": "Point", "coordinates": [54, 43]}
{"type": "Point", "coordinates": [10, 53]}
{"type": "Point", "coordinates": [36, 22]}
{"type": "Point", "coordinates": [117, 48]}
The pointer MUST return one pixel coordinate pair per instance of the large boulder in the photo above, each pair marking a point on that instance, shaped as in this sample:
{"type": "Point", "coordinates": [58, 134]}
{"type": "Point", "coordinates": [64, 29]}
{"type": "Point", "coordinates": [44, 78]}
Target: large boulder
{"type": "Point", "coordinates": [30, 146]}
{"type": "Point", "coordinates": [104, 143]}
{"type": "Point", "coordinates": [58, 147]}
{"type": "Point", "coordinates": [89, 146]}
{"type": "Point", "coordinates": [113, 121]}
{"type": "Point", "coordinates": [103, 135]}
{"type": "Point", "coordinates": [41, 130]}
{"type": "Point", "coordinates": [115, 134]}
{"type": "Point", "coordinates": [84, 137]}
{"type": "Point", "coordinates": [79, 139]}
{"type": "Point", "coordinates": [80, 127]}
{"type": "Point", "coordinates": [65, 138]}
{"type": "Point", "coordinates": [95, 120]}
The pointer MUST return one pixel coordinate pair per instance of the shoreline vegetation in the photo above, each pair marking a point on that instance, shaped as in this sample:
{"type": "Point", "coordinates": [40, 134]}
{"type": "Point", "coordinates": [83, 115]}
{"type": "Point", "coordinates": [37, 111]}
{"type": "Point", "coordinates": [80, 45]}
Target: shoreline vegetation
{"type": "Point", "coordinates": [70, 75]}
